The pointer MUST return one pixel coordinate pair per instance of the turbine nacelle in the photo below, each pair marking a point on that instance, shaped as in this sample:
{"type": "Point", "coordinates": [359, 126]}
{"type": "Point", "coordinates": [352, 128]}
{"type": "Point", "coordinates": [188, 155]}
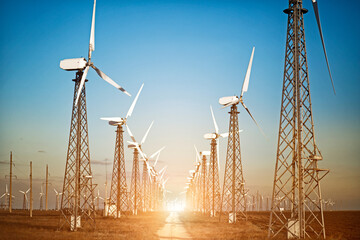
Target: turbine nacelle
{"type": "Point", "coordinates": [227, 101]}
{"type": "Point", "coordinates": [73, 64]}
{"type": "Point", "coordinates": [209, 136]}
{"type": "Point", "coordinates": [132, 146]}
{"type": "Point", "coordinates": [114, 121]}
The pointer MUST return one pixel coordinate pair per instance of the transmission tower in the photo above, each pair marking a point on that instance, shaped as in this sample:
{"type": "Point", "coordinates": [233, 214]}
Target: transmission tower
{"type": "Point", "coordinates": [118, 192]}
{"type": "Point", "coordinates": [135, 192]}
{"type": "Point", "coordinates": [214, 181]}
{"type": "Point", "coordinates": [296, 207]}
{"type": "Point", "coordinates": [233, 196]}
{"type": "Point", "coordinates": [77, 201]}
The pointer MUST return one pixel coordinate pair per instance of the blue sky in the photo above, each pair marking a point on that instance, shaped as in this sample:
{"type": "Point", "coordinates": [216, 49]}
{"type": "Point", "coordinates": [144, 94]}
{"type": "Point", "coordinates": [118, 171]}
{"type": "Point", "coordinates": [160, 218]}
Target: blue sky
{"type": "Point", "coordinates": [188, 54]}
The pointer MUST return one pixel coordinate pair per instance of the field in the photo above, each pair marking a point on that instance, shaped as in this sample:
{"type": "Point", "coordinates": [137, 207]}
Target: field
{"type": "Point", "coordinates": [43, 225]}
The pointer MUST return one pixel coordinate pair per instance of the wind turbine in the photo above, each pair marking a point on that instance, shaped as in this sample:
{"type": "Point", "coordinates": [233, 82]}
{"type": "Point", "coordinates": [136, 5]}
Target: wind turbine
{"type": "Point", "coordinates": [41, 198]}
{"type": "Point", "coordinates": [57, 203]}
{"type": "Point", "coordinates": [118, 191]}
{"type": "Point", "coordinates": [78, 157]}
{"type": "Point", "coordinates": [234, 182]}
{"type": "Point", "coordinates": [300, 184]}
{"type": "Point", "coordinates": [97, 199]}
{"type": "Point", "coordinates": [148, 175]}
{"type": "Point", "coordinates": [82, 65]}
{"type": "Point", "coordinates": [214, 167]}
{"type": "Point", "coordinates": [135, 191]}
{"type": "Point", "coordinates": [25, 199]}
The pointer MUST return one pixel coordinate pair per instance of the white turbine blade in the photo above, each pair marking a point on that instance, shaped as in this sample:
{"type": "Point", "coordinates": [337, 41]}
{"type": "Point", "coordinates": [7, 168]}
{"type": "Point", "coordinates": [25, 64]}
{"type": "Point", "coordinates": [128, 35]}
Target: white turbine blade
{"type": "Point", "coordinates": [215, 125]}
{"type": "Point", "coordinates": [198, 158]}
{"type": "Point", "coordinates": [253, 119]}
{"type": "Point", "coordinates": [157, 152]}
{"type": "Point", "coordinates": [247, 76]}
{"type": "Point", "coordinates": [109, 80]}
{"type": "Point", "coordinates": [157, 159]}
{"type": "Point", "coordinates": [56, 192]}
{"type": "Point", "coordinates": [22, 192]}
{"type": "Point", "coordinates": [129, 132]}
{"type": "Point", "coordinates": [82, 82]}
{"type": "Point", "coordinates": [3, 195]}
{"type": "Point", "coordinates": [163, 170]}
{"type": "Point", "coordinates": [28, 190]}
{"type": "Point", "coordinates": [92, 32]}
{"type": "Point", "coordinates": [147, 132]}
{"type": "Point", "coordinates": [141, 152]}
{"type": "Point", "coordinates": [224, 135]}
{"type": "Point", "coordinates": [316, 10]}
{"type": "Point", "coordinates": [131, 109]}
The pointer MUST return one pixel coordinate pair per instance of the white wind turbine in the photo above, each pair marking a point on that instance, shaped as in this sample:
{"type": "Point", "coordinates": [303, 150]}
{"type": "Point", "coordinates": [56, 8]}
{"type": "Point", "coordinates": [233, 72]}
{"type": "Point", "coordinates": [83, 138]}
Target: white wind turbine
{"type": "Point", "coordinates": [135, 190]}
{"type": "Point", "coordinates": [215, 136]}
{"type": "Point", "coordinates": [81, 64]}
{"type": "Point", "coordinates": [41, 198]}
{"type": "Point", "coordinates": [97, 199]}
{"type": "Point", "coordinates": [57, 203]}
{"type": "Point", "coordinates": [234, 100]}
{"type": "Point", "coordinates": [115, 121]}
{"type": "Point", "coordinates": [7, 195]}
{"type": "Point", "coordinates": [25, 199]}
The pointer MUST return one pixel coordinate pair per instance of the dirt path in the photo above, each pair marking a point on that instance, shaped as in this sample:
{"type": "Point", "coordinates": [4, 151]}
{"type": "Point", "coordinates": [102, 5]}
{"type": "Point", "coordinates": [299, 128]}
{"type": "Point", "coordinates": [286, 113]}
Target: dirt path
{"type": "Point", "coordinates": [173, 228]}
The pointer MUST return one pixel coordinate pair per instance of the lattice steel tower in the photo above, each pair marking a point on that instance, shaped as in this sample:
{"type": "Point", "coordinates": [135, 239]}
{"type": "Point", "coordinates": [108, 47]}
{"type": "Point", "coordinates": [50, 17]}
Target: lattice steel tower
{"type": "Point", "coordinates": [146, 188]}
{"type": "Point", "coordinates": [118, 191]}
{"type": "Point", "coordinates": [297, 175]}
{"type": "Point", "coordinates": [214, 181]}
{"type": "Point", "coordinates": [77, 201]}
{"type": "Point", "coordinates": [135, 192]}
{"type": "Point", "coordinates": [233, 196]}
{"type": "Point", "coordinates": [203, 186]}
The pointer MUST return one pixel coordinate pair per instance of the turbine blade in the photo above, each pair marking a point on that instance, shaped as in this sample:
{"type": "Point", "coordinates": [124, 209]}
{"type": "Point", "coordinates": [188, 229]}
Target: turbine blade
{"type": "Point", "coordinates": [131, 109]}
{"type": "Point", "coordinates": [109, 80]}
{"type": "Point", "coordinates": [141, 152]}
{"type": "Point", "coordinates": [198, 158]}
{"type": "Point", "coordinates": [157, 152]}
{"type": "Point", "coordinates": [147, 132]}
{"type": "Point", "coordinates": [253, 119]}
{"type": "Point", "coordinates": [213, 117]}
{"type": "Point", "coordinates": [130, 133]}
{"type": "Point", "coordinates": [92, 32]}
{"type": "Point", "coordinates": [224, 135]}
{"type": "Point", "coordinates": [247, 76]}
{"type": "Point", "coordinates": [316, 10]}
{"type": "Point", "coordinates": [82, 82]}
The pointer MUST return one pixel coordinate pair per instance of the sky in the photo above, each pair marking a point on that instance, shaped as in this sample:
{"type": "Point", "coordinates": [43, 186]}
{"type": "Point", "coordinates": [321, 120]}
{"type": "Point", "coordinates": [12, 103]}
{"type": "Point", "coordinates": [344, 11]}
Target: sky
{"type": "Point", "coordinates": [188, 54]}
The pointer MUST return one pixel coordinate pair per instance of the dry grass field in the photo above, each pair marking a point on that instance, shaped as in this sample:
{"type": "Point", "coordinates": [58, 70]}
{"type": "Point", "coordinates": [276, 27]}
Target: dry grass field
{"type": "Point", "coordinates": [18, 225]}
{"type": "Point", "coordinates": [339, 225]}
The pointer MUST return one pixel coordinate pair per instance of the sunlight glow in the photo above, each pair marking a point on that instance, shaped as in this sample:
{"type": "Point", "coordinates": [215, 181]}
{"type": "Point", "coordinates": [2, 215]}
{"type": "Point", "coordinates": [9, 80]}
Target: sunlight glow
{"type": "Point", "coordinates": [175, 206]}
